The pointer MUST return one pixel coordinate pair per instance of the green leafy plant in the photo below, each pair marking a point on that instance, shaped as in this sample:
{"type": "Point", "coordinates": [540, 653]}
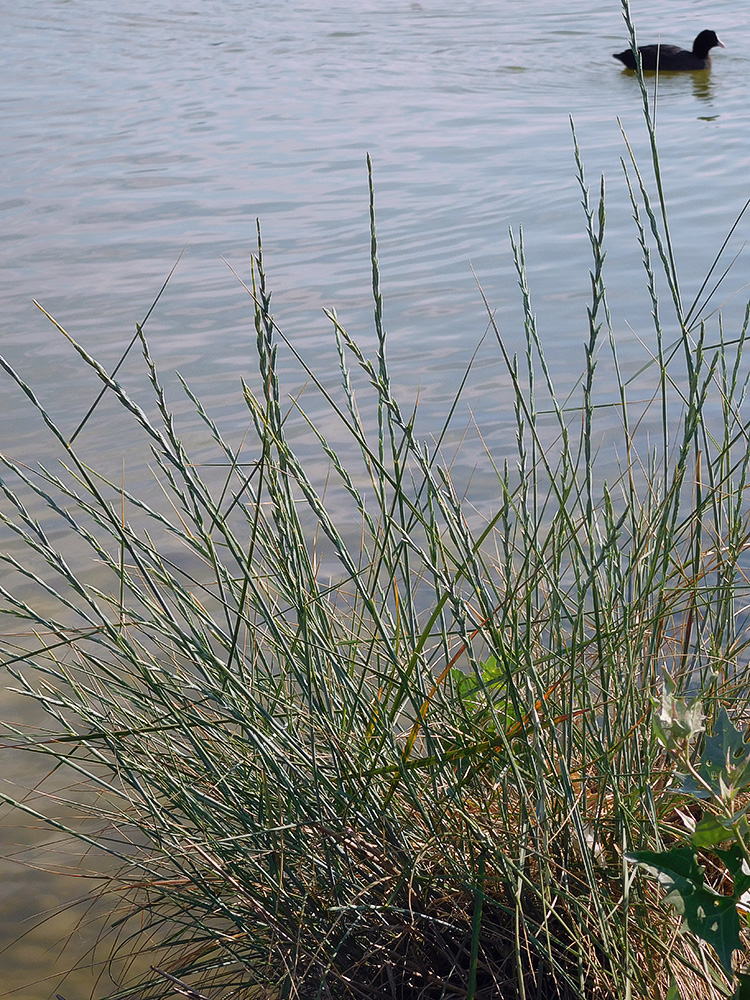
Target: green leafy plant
{"type": "Point", "coordinates": [720, 778]}
{"type": "Point", "coordinates": [485, 696]}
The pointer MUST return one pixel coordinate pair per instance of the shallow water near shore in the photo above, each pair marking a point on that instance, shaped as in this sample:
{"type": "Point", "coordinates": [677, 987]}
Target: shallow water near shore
{"type": "Point", "coordinates": [129, 138]}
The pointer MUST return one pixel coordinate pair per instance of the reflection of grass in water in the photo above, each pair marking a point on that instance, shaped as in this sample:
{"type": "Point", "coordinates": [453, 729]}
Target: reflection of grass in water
{"type": "Point", "coordinates": [33, 956]}
{"type": "Point", "coordinates": [42, 940]}
{"type": "Point", "coordinates": [419, 772]}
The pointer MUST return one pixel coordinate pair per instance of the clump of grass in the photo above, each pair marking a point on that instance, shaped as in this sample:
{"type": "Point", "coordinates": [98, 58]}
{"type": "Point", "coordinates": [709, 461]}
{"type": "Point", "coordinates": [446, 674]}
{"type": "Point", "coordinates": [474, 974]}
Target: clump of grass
{"type": "Point", "coordinates": [420, 774]}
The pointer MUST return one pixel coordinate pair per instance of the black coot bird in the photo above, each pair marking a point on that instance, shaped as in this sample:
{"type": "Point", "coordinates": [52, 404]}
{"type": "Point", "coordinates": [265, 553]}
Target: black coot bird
{"type": "Point", "coordinates": [667, 58]}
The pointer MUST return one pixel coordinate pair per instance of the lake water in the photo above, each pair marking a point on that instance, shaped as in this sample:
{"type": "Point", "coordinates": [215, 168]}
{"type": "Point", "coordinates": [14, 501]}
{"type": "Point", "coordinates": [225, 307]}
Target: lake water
{"type": "Point", "coordinates": [127, 137]}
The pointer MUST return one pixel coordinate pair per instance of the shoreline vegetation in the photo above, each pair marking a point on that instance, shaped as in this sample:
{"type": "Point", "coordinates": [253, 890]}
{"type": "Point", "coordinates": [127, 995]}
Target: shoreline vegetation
{"type": "Point", "coordinates": [383, 746]}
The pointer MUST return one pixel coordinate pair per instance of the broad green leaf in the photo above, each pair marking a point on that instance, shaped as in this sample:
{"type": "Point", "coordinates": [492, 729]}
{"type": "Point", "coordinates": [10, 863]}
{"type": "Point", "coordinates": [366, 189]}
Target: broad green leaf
{"type": "Point", "coordinates": [743, 986]}
{"type": "Point", "coordinates": [482, 697]}
{"type": "Point", "coordinates": [673, 993]}
{"type": "Point", "coordinates": [710, 831]}
{"type": "Point", "coordinates": [677, 870]}
{"type": "Point", "coordinates": [492, 671]}
{"type": "Point", "coordinates": [740, 775]}
{"type": "Point", "coordinates": [735, 862]}
{"type": "Point", "coordinates": [714, 919]}
{"type": "Point", "coordinates": [725, 763]}
{"type": "Point", "coordinates": [711, 917]}
{"type": "Point", "coordinates": [685, 784]}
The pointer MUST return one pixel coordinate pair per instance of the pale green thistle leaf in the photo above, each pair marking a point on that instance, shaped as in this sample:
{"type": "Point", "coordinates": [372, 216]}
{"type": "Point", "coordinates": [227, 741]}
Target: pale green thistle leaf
{"type": "Point", "coordinates": [676, 718]}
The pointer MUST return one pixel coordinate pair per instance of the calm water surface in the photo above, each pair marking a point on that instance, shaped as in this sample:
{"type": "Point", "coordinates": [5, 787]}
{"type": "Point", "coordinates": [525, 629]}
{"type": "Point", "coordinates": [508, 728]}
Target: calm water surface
{"type": "Point", "coordinates": [128, 136]}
